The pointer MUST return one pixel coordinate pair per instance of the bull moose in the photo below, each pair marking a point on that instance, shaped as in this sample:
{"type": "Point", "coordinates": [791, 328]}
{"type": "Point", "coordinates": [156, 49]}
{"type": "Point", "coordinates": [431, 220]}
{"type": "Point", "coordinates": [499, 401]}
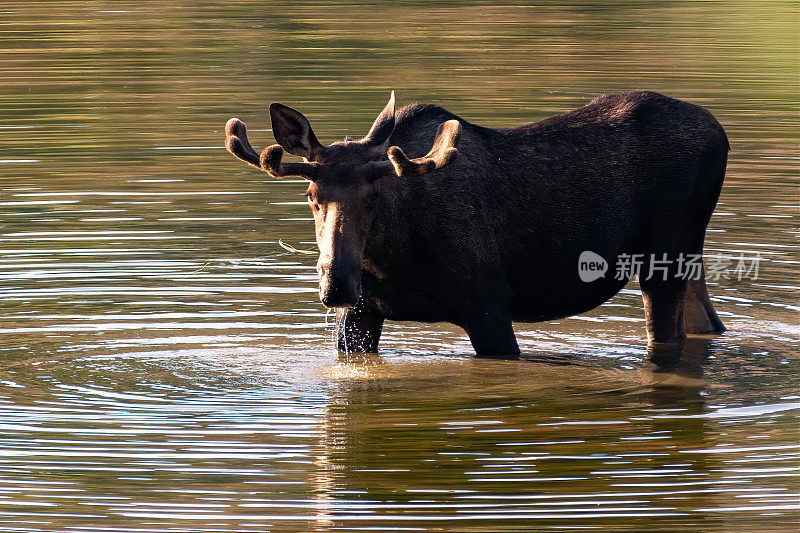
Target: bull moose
{"type": "Point", "coordinates": [432, 218]}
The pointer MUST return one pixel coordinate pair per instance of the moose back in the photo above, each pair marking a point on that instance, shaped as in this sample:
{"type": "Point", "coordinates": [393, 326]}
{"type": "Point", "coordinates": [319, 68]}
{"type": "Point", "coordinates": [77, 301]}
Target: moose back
{"type": "Point", "coordinates": [432, 218]}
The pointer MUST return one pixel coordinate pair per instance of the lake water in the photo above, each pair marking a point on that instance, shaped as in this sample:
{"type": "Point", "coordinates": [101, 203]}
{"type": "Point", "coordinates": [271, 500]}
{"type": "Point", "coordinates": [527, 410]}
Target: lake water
{"type": "Point", "coordinates": [165, 365]}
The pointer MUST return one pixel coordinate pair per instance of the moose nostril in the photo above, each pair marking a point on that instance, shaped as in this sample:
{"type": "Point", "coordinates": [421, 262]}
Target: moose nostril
{"type": "Point", "coordinates": [338, 295]}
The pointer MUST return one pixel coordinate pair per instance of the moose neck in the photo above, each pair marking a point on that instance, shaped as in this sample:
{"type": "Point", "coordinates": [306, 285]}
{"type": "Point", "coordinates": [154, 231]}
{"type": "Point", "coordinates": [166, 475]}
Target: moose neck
{"type": "Point", "coordinates": [388, 234]}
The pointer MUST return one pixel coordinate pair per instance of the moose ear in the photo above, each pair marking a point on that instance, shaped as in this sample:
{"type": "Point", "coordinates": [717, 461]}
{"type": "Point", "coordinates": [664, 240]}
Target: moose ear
{"type": "Point", "coordinates": [384, 125]}
{"type": "Point", "coordinates": [293, 132]}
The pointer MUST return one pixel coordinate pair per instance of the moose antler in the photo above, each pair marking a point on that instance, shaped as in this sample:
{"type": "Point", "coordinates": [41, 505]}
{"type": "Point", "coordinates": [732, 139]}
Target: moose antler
{"type": "Point", "coordinates": [237, 144]}
{"type": "Point", "coordinates": [443, 152]}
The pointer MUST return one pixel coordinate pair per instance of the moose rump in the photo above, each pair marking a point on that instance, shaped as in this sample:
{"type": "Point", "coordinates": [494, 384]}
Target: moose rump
{"type": "Point", "coordinates": [481, 227]}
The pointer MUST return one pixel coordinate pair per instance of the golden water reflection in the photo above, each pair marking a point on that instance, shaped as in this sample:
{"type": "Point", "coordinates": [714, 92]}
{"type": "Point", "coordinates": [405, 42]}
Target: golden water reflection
{"type": "Point", "coordinates": [165, 364]}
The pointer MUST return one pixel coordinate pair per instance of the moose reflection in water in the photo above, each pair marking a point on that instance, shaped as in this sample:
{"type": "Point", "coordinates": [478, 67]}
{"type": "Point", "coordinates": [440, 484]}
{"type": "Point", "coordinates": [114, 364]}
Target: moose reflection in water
{"type": "Point", "coordinates": [479, 226]}
{"type": "Point", "coordinates": [485, 436]}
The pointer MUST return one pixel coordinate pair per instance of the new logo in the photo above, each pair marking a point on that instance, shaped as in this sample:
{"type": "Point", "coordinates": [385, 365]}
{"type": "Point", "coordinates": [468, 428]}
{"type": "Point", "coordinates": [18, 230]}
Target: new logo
{"type": "Point", "coordinates": [591, 266]}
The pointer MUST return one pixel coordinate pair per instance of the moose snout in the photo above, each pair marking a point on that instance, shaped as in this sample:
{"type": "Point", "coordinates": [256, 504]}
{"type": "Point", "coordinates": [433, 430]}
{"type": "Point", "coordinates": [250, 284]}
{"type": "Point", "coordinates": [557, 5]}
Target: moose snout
{"type": "Point", "coordinates": [339, 284]}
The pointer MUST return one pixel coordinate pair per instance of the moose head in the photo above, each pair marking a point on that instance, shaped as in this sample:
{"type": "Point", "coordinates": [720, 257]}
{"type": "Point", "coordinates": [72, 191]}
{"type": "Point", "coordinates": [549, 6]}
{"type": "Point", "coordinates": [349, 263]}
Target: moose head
{"type": "Point", "coordinates": [341, 190]}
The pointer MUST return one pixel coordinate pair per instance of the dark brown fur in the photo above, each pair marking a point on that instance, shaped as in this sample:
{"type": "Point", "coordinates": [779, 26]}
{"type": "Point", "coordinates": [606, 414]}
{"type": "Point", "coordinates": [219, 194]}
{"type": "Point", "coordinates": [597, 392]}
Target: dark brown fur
{"type": "Point", "coordinates": [494, 235]}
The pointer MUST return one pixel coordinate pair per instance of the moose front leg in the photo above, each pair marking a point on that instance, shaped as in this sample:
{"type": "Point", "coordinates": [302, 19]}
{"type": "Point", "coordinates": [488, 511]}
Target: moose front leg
{"type": "Point", "coordinates": [358, 329]}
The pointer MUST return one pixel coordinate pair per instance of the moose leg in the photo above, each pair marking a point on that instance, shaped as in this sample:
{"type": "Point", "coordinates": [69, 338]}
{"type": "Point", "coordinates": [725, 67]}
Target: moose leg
{"type": "Point", "coordinates": [492, 334]}
{"type": "Point", "coordinates": [699, 315]}
{"type": "Point", "coordinates": [358, 329]}
{"type": "Point", "coordinates": [663, 309]}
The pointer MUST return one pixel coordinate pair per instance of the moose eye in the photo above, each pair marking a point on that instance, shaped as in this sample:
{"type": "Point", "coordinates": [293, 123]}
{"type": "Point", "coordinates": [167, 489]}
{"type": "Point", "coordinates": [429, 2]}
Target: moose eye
{"type": "Point", "coordinates": [314, 205]}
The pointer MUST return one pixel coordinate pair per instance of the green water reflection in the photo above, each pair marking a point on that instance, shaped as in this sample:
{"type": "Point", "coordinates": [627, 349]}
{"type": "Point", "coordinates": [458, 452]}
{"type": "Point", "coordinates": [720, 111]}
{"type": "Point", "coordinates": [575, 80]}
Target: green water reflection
{"type": "Point", "coordinates": [166, 366]}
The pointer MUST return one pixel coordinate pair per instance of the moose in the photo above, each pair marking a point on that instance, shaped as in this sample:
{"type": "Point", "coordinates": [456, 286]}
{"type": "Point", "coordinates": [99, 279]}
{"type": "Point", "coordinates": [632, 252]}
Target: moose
{"type": "Point", "coordinates": [432, 218]}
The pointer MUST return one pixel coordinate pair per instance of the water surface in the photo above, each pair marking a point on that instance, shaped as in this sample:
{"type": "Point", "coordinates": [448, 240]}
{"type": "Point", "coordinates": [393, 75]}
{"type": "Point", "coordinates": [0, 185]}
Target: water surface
{"type": "Point", "coordinates": [165, 365]}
